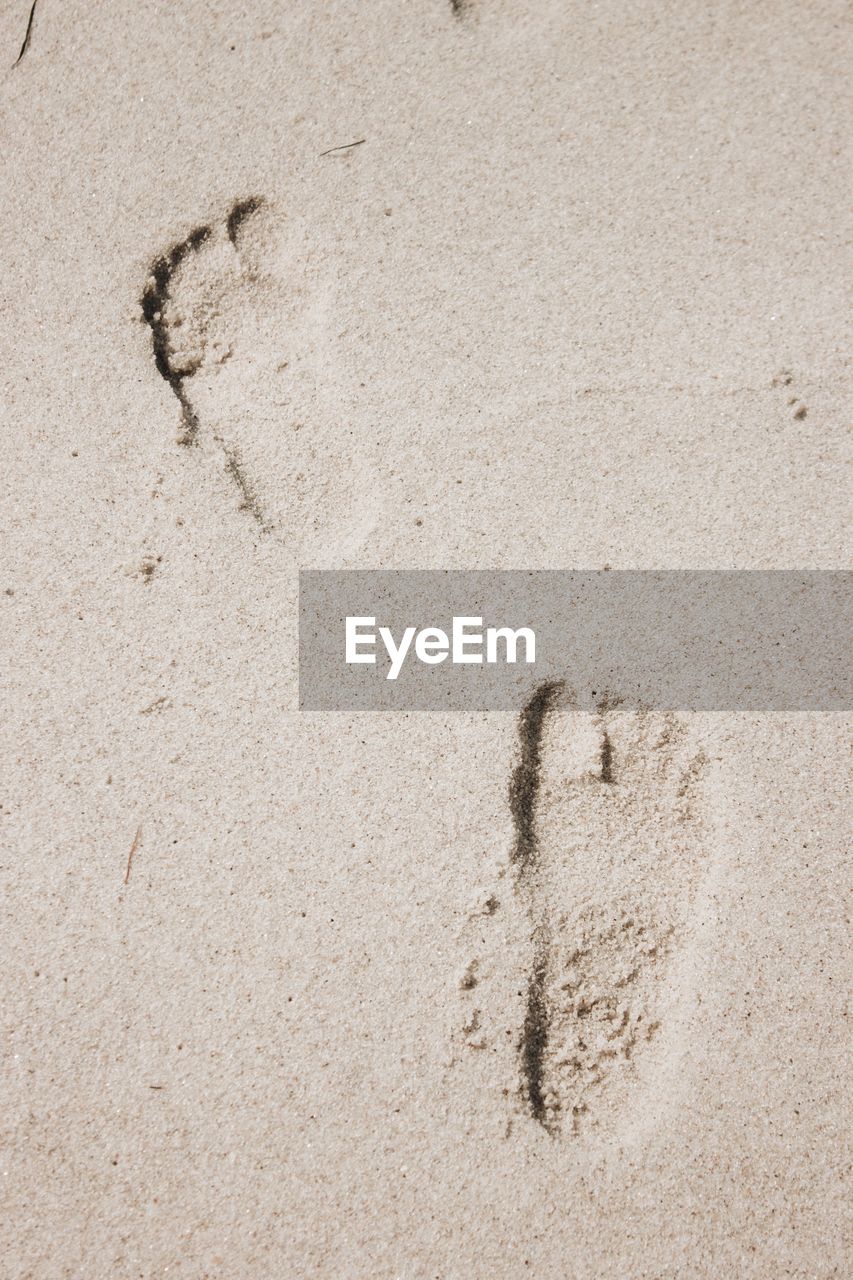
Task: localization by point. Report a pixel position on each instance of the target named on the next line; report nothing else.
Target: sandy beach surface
(576, 299)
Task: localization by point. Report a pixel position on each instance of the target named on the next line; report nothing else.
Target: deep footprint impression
(609, 849)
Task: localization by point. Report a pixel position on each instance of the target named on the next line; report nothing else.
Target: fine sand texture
(410, 996)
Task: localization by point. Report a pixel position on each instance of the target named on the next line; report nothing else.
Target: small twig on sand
(132, 852)
(345, 147)
(27, 34)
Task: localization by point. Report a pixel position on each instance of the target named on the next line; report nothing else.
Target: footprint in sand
(242, 324)
(607, 809)
(608, 853)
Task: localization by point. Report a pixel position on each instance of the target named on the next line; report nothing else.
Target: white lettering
(510, 639)
(354, 639)
(461, 638)
(397, 655)
(432, 645)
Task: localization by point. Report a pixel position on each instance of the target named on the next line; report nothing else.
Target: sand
(575, 300)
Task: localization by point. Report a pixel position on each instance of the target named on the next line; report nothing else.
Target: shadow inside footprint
(244, 316)
(156, 298)
(607, 852)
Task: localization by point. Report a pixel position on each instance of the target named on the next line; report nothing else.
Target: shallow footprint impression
(190, 301)
(242, 320)
(610, 846)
